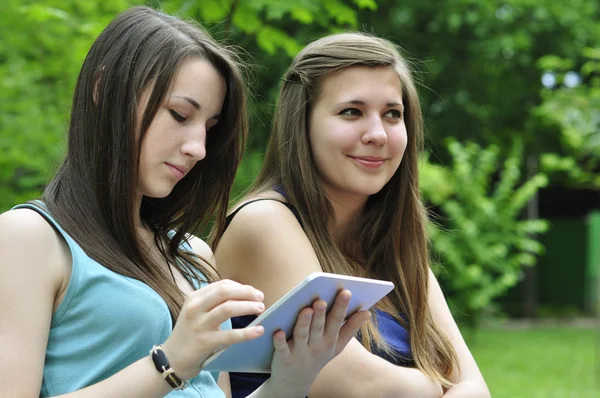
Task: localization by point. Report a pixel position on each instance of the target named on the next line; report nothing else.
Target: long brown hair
(92, 195)
(388, 239)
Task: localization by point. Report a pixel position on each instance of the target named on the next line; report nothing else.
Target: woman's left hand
(317, 339)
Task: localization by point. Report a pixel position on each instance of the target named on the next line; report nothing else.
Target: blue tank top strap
(78, 256)
(40, 207)
(195, 282)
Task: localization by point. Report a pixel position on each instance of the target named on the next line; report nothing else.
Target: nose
(195, 144)
(375, 132)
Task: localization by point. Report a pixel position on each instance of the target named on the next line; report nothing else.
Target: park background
(511, 97)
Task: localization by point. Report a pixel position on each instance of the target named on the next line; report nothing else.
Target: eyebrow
(192, 101)
(196, 105)
(359, 102)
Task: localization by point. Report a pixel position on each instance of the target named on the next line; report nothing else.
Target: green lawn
(541, 362)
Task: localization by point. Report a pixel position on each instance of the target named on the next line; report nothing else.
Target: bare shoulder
(201, 248)
(27, 238)
(265, 246)
(34, 261)
(262, 220)
(21, 228)
(437, 301)
(468, 370)
(26, 218)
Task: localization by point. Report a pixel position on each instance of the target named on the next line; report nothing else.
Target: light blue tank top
(105, 322)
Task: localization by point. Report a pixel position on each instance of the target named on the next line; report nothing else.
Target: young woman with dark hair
(104, 291)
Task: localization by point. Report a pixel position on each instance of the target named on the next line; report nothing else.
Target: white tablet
(255, 355)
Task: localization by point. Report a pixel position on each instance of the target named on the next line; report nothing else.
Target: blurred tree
(43, 45)
(571, 105)
(270, 32)
(481, 67)
(38, 67)
(478, 61)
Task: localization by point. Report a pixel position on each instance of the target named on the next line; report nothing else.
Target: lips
(371, 162)
(178, 171)
(369, 158)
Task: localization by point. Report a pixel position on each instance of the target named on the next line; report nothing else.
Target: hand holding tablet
(256, 355)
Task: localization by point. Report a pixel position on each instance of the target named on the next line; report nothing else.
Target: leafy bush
(38, 69)
(480, 239)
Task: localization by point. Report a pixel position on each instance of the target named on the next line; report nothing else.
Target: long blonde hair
(388, 240)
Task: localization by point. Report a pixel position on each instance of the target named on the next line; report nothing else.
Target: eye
(394, 113)
(350, 112)
(177, 116)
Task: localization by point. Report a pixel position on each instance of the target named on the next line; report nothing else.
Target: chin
(159, 193)
(163, 194)
(361, 191)
(370, 187)
(370, 192)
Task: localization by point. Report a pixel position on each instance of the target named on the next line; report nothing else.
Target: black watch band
(161, 363)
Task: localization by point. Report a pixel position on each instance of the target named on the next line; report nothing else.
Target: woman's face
(357, 131)
(176, 138)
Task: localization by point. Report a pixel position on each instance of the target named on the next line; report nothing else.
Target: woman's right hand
(317, 338)
(197, 333)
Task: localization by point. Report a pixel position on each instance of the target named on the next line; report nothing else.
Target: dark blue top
(392, 332)
(397, 337)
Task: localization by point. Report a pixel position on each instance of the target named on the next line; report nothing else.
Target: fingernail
(261, 307)
(308, 316)
(260, 296)
(259, 330)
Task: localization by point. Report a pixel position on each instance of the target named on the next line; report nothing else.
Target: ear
(97, 79)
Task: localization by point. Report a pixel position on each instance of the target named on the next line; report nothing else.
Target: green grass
(540, 362)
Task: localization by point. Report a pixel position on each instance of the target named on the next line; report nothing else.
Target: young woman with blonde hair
(338, 192)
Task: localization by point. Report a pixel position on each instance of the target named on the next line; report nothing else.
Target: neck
(144, 235)
(137, 207)
(345, 209)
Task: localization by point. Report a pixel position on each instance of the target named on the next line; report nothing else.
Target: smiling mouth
(368, 161)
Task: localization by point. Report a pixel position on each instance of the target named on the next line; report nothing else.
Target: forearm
(359, 374)
(412, 383)
(399, 382)
(139, 380)
(468, 389)
(269, 390)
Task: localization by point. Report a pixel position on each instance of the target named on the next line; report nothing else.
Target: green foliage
(575, 111)
(481, 240)
(477, 60)
(270, 33)
(247, 172)
(39, 65)
(268, 22)
(43, 45)
(481, 62)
